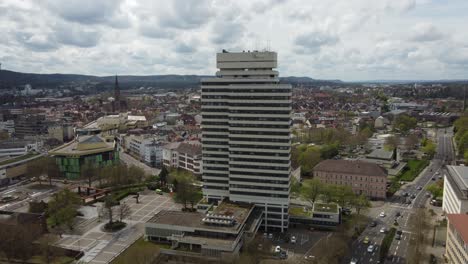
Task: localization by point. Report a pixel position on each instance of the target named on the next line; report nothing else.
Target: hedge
(386, 243)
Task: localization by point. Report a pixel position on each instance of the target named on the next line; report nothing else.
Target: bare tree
(124, 211)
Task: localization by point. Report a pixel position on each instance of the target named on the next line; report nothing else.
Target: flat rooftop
(459, 176)
(238, 212)
(325, 208)
(19, 158)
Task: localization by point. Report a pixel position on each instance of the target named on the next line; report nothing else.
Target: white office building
(455, 199)
(246, 114)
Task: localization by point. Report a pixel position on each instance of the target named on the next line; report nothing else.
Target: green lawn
(327, 208)
(19, 158)
(414, 167)
(298, 211)
(141, 250)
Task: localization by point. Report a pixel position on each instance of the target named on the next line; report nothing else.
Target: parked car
(159, 191)
(277, 249)
(382, 214)
(373, 224)
(366, 240)
(413, 196)
(270, 236)
(383, 230)
(370, 248)
(293, 240)
(419, 187)
(398, 214)
(283, 254)
(353, 261)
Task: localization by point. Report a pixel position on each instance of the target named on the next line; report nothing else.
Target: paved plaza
(101, 247)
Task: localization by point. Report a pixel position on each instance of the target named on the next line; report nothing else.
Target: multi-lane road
(399, 249)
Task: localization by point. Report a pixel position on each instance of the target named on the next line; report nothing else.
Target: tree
(311, 189)
(466, 156)
(35, 169)
(344, 195)
(62, 209)
(295, 187)
(185, 192)
(404, 123)
(329, 192)
(360, 202)
(392, 142)
(429, 148)
(329, 151)
(16, 242)
(137, 174)
(435, 189)
(163, 174)
(411, 141)
(110, 202)
(308, 159)
(124, 211)
(88, 172)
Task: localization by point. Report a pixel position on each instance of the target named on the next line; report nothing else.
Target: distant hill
(10, 79)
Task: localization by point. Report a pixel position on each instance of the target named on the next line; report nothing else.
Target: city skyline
(346, 40)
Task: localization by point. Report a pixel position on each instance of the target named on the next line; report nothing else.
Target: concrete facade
(455, 200)
(246, 116)
(457, 239)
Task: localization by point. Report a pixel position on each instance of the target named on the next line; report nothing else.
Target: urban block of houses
(363, 177)
(112, 123)
(184, 155)
(94, 150)
(455, 200)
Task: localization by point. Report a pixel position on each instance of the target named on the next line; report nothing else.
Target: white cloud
(343, 39)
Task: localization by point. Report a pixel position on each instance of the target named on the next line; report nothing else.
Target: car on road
(277, 249)
(382, 214)
(413, 196)
(433, 178)
(370, 248)
(270, 236)
(408, 201)
(383, 230)
(366, 240)
(373, 224)
(437, 173)
(419, 187)
(293, 240)
(353, 261)
(405, 194)
(283, 254)
(397, 214)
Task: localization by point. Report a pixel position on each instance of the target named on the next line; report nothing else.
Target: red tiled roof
(351, 167)
(460, 223)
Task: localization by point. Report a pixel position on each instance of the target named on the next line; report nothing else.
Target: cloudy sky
(339, 39)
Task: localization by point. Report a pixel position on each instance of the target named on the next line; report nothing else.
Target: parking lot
(305, 241)
(102, 247)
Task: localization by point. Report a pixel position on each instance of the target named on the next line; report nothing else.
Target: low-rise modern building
(184, 155)
(218, 232)
(13, 169)
(93, 150)
(319, 214)
(15, 147)
(363, 177)
(456, 250)
(455, 200)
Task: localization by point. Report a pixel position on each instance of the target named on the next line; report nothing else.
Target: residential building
(146, 148)
(184, 155)
(93, 150)
(246, 115)
(30, 125)
(455, 200)
(363, 177)
(219, 234)
(456, 250)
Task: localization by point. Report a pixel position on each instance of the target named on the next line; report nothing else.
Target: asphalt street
(399, 248)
